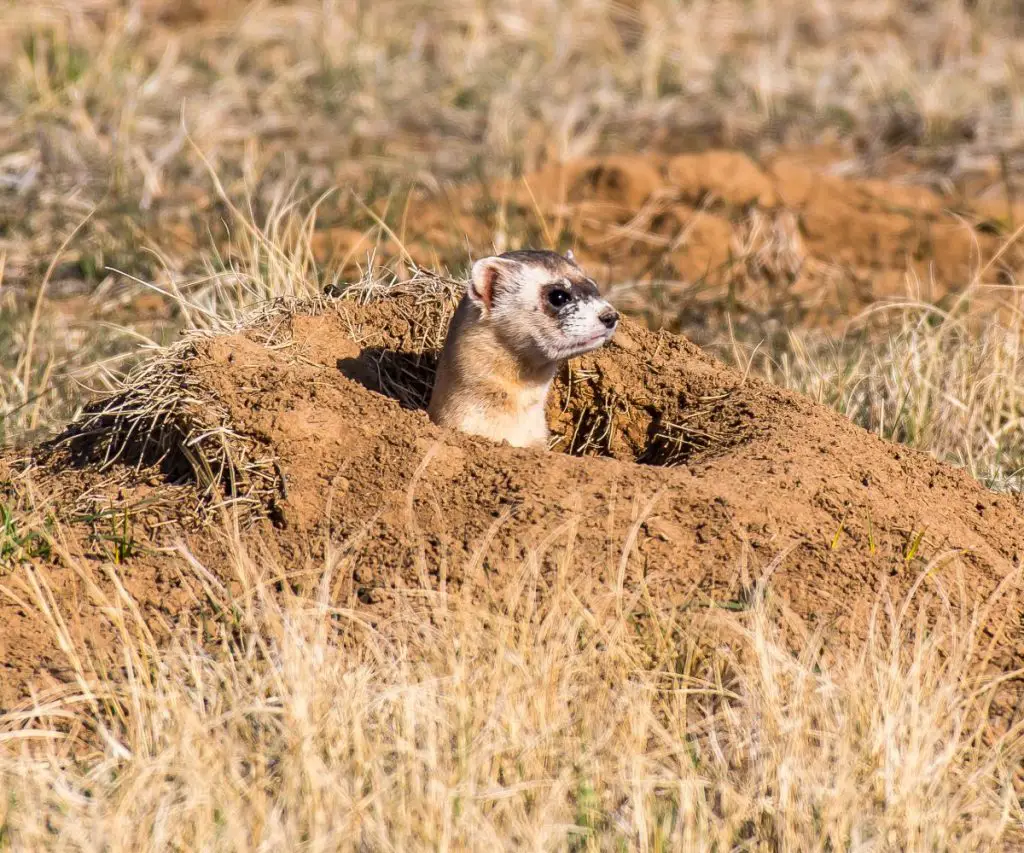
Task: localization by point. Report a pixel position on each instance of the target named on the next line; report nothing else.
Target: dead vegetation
(824, 194)
(585, 722)
(160, 418)
(943, 378)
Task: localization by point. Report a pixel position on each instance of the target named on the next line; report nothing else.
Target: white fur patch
(526, 428)
(526, 324)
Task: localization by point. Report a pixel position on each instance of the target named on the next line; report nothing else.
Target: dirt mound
(686, 480)
(788, 238)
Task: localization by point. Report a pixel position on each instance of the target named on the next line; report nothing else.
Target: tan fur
(483, 389)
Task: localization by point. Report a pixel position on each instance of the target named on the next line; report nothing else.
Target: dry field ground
(763, 593)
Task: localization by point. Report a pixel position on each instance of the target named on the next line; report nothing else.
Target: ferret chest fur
(483, 389)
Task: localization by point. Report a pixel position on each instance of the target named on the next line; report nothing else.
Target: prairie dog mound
(669, 471)
(743, 470)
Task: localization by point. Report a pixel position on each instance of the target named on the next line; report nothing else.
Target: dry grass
(50, 362)
(949, 380)
(587, 722)
(197, 156)
(590, 722)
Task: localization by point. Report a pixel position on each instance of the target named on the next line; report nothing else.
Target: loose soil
(684, 238)
(673, 475)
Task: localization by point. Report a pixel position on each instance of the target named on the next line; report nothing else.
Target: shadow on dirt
(407, 377)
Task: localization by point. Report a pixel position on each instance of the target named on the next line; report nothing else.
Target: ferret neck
(495, 360)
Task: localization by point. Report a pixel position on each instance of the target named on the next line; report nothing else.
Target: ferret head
(541, 305)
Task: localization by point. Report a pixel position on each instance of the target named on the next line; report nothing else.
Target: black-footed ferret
(523, 315)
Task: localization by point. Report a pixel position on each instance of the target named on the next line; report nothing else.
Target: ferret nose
(609, 318)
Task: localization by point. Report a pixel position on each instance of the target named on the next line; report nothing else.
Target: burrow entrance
(647, 398)
(589, 413)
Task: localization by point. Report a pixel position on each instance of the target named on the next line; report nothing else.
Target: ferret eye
(558, 297)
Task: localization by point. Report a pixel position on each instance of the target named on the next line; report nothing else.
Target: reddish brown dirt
(722, 481)
(784, 236)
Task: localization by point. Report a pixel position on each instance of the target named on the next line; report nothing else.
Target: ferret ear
(570, 257)
(484, 280)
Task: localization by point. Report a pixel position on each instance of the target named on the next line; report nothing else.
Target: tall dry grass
(946, 379)
(585, 722)
(563, 718)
